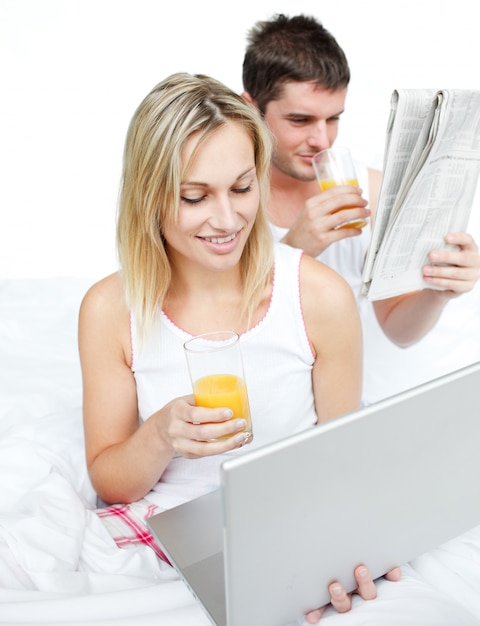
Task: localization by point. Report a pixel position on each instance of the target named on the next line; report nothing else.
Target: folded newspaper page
(430, 174)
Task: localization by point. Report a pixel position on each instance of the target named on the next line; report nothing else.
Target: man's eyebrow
(295, 115)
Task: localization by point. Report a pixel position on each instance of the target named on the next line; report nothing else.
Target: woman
(196, 255)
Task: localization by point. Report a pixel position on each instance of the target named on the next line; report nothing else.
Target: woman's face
(219, 201)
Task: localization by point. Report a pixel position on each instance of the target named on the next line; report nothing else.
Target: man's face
(303, 121)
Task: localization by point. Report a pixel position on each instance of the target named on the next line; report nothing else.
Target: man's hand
(317, 226)
(455, 270)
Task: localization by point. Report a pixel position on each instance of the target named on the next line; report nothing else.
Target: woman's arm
(334, 329)
(126, 459)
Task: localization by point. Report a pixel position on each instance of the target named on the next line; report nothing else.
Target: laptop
(379, 486)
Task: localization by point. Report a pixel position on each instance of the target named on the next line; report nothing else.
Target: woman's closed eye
(192, 200)
(242, 189)
(237, 190)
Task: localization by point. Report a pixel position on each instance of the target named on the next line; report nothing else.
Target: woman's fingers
(339, 598)
(366, 587)
(314, 616)
(342, 601)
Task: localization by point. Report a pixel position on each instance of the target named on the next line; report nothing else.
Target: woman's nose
(223, 216)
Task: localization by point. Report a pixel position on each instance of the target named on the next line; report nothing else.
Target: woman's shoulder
(329, 307)
(318, 272)
(321, 283)
(104, 320)
(105, 297)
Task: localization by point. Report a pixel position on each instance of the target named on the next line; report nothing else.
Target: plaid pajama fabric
(126, 524)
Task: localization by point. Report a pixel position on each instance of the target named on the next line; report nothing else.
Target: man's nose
(319, 138)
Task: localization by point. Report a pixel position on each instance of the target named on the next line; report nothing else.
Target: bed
(58, 564)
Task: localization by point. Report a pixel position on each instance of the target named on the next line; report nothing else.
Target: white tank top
(278, 363)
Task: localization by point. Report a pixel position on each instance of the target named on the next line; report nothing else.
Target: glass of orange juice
(216, 370)
(333, 167)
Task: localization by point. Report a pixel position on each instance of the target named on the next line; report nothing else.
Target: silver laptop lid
(379, 486)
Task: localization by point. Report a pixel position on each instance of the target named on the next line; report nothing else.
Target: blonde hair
(176, 108)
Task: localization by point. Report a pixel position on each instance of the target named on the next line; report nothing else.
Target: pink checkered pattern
(126, 525)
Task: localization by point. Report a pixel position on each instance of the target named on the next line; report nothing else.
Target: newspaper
(430, 173)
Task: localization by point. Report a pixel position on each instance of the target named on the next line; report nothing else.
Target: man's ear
(249, 98)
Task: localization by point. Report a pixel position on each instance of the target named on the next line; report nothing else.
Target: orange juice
(326, 184)
(224, 390)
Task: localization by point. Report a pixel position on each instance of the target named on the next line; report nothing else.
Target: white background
(73, 72)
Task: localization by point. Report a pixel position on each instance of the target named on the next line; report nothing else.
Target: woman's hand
(195, 431)
(342, 601)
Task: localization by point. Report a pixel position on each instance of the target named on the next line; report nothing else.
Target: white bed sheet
(58, 564)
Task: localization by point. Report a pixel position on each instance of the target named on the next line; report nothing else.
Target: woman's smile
(223, 244)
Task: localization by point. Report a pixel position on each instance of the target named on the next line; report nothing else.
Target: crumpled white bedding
(58, 564)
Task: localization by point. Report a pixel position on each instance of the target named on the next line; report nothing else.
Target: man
(297, 75)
